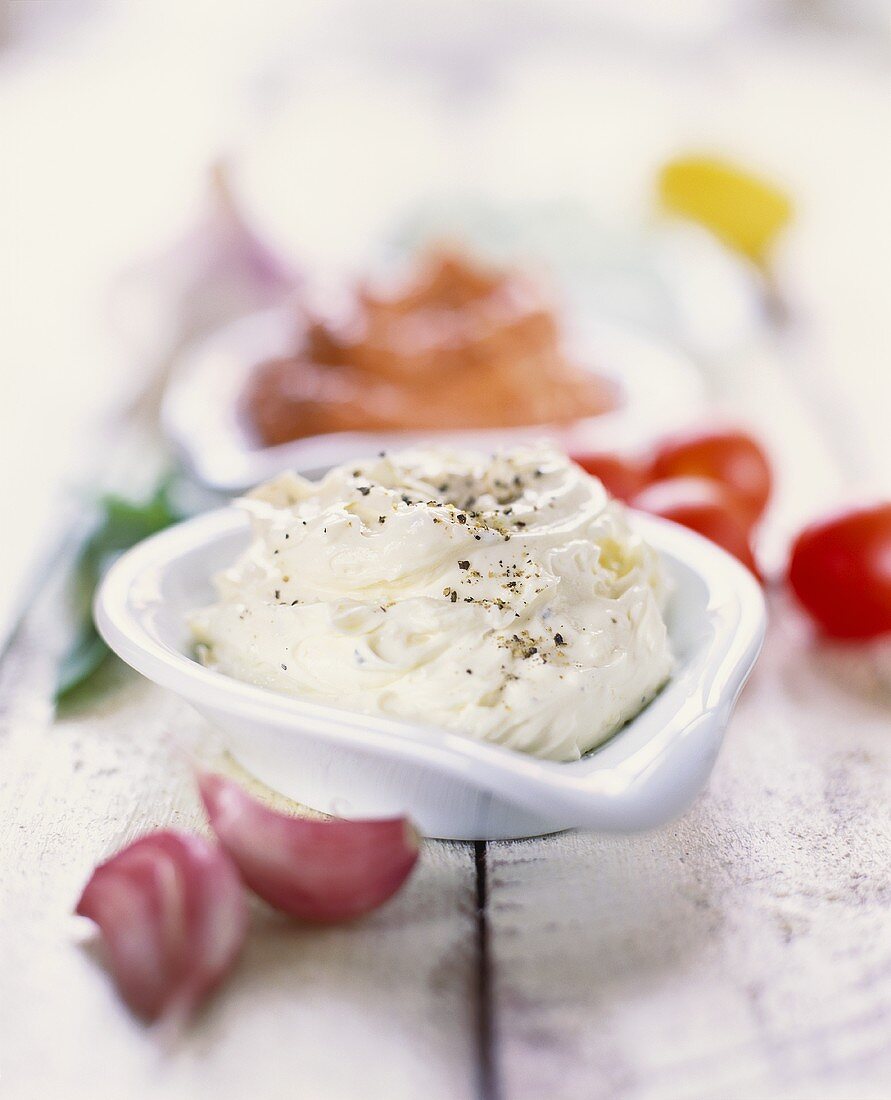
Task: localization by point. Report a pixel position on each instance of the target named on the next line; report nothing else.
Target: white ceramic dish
(199, 410)
(452, 787)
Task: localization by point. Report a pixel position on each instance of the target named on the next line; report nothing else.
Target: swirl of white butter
(505, 598)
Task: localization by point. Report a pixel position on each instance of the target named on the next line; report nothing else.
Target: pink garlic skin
(324, 871)
(223, 269)
(173, 916)
(219, 270)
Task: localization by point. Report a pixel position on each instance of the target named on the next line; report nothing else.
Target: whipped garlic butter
(504, 598)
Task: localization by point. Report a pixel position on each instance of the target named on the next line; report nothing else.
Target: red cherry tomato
(622, 475)
(840, 570)
(705, 506)
(731, 457)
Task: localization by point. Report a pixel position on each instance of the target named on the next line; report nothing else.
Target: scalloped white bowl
(358, 766)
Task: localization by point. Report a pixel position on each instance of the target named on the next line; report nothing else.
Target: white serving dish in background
(452, 787)
(199, 412)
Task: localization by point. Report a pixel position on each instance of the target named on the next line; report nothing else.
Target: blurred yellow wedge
(745, 212)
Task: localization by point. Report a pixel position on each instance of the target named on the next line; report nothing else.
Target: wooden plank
(385, 1007)
(744, 951)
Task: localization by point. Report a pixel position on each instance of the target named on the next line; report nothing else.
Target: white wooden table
(742, 952)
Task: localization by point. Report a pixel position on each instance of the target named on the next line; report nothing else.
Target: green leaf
(120, 524)
(85, 657)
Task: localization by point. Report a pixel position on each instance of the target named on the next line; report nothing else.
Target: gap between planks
(488, 1081)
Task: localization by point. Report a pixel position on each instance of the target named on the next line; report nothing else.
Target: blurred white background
(340, 117)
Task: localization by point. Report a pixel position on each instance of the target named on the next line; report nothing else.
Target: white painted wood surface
(744, 951)
(383, 1008)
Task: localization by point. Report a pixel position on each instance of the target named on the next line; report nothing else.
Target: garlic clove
(323, 871)
(173, 917)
